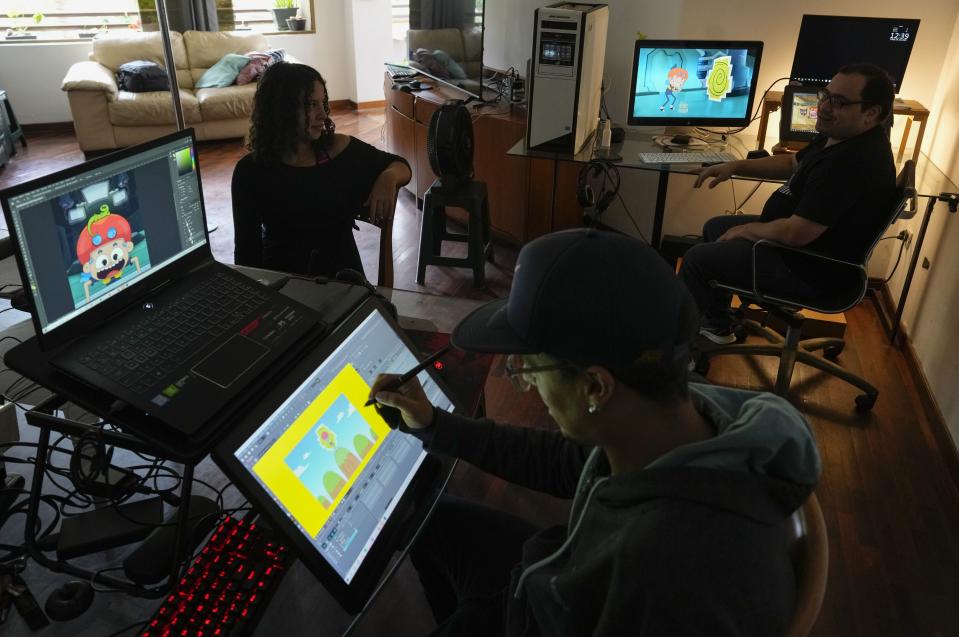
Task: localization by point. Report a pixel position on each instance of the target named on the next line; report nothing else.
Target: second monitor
(693, 82)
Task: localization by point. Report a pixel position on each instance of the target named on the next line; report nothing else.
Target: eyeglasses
(516, 370)
(836, 101)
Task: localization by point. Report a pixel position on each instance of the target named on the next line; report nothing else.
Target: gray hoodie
(692, 544)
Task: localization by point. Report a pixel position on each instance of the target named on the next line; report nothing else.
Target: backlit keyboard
(686, 158)
(139, 356)
(227, 586)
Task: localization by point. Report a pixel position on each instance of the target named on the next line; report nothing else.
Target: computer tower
(566, 75)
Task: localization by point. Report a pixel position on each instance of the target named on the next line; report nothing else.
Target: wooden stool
(472, 197)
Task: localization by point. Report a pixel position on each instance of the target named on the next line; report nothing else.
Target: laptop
(125, 294)
(344, 488)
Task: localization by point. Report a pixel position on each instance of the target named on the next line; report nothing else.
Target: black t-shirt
(847, 187)
(283, 215)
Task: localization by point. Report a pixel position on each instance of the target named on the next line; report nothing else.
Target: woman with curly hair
(296, 193)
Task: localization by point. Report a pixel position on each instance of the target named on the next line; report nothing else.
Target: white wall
(372, 29)
(932, 310)
(31, 76)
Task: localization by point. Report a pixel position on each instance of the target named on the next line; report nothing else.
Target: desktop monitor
(828, 42)
(693, 82)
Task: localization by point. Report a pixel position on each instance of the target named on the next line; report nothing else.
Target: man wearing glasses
(679, 490)
(838, 190)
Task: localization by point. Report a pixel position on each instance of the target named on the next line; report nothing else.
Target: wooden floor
(891, 507)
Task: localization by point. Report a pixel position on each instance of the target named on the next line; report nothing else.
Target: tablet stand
(42, 417)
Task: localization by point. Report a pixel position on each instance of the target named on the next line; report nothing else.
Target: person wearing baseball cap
(679, 490)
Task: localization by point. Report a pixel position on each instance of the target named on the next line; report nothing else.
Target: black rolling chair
(793, 348)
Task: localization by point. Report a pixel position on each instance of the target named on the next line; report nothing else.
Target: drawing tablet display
(800, 110)
(329, 472)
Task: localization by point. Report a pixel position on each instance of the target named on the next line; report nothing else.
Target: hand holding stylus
(403, 393)
(407, 402)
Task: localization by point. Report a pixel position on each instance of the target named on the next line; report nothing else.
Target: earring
(593, 410)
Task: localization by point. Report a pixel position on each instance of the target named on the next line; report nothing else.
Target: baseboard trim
(59, 128)
(937, 421)
(364, 105)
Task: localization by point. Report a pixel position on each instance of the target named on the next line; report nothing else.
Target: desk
(554, 177)
(300, 600)
(910, 108)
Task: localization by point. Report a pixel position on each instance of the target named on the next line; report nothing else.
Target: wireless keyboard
(226, 588)
(686, 158)
(400, 72)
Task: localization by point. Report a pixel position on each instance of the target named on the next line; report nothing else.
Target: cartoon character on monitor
(675, 80)
(719, 80)
(104, 249)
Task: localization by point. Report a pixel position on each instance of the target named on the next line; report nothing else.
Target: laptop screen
(334, 468)
(90, 235)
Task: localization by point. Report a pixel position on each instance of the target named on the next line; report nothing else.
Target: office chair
(793, 348)
(809, 551)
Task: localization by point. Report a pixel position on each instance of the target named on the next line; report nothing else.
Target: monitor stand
(696, 141)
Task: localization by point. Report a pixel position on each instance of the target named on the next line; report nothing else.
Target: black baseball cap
(591, 297)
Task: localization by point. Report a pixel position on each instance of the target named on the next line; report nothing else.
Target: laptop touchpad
(229, 361)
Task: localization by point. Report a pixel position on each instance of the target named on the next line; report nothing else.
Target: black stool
(470, 196)
(10, 126)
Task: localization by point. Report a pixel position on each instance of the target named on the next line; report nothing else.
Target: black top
(290, 218)
(847, 187)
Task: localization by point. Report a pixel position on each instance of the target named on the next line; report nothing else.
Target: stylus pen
(399, 382)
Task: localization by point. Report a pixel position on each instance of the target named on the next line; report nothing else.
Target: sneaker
(718, 335)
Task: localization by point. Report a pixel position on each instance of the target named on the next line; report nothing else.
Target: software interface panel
(333, 465)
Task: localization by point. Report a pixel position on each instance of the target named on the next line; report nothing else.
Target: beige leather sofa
(105, 117)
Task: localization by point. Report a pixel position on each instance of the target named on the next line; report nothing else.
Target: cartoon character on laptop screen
(105, 248)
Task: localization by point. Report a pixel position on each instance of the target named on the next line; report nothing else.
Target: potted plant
(297, 22)
(19, 32)
(283, 9)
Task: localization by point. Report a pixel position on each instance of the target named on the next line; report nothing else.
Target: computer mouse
(416, 85)
(69, 601)
(681, 140)
(406, 88)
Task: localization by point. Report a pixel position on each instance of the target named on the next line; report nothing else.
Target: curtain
(440, 14)
(189, 15)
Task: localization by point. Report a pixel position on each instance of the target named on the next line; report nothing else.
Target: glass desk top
(626, 153)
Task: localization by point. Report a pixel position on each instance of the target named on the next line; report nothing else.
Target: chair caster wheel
(833, 351)
(864, 403)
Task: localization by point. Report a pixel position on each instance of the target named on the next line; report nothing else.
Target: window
(29, 20)
(66, 19)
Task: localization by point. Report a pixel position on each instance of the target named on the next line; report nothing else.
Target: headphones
(599, 199)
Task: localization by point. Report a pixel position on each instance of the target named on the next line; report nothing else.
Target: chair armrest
(90, 76)
(812, 257)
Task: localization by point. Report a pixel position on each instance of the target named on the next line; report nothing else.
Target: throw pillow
(429, 62)
(253, 70)
(141, 76)
(259, 63)
(224, 72)
(456, 71)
